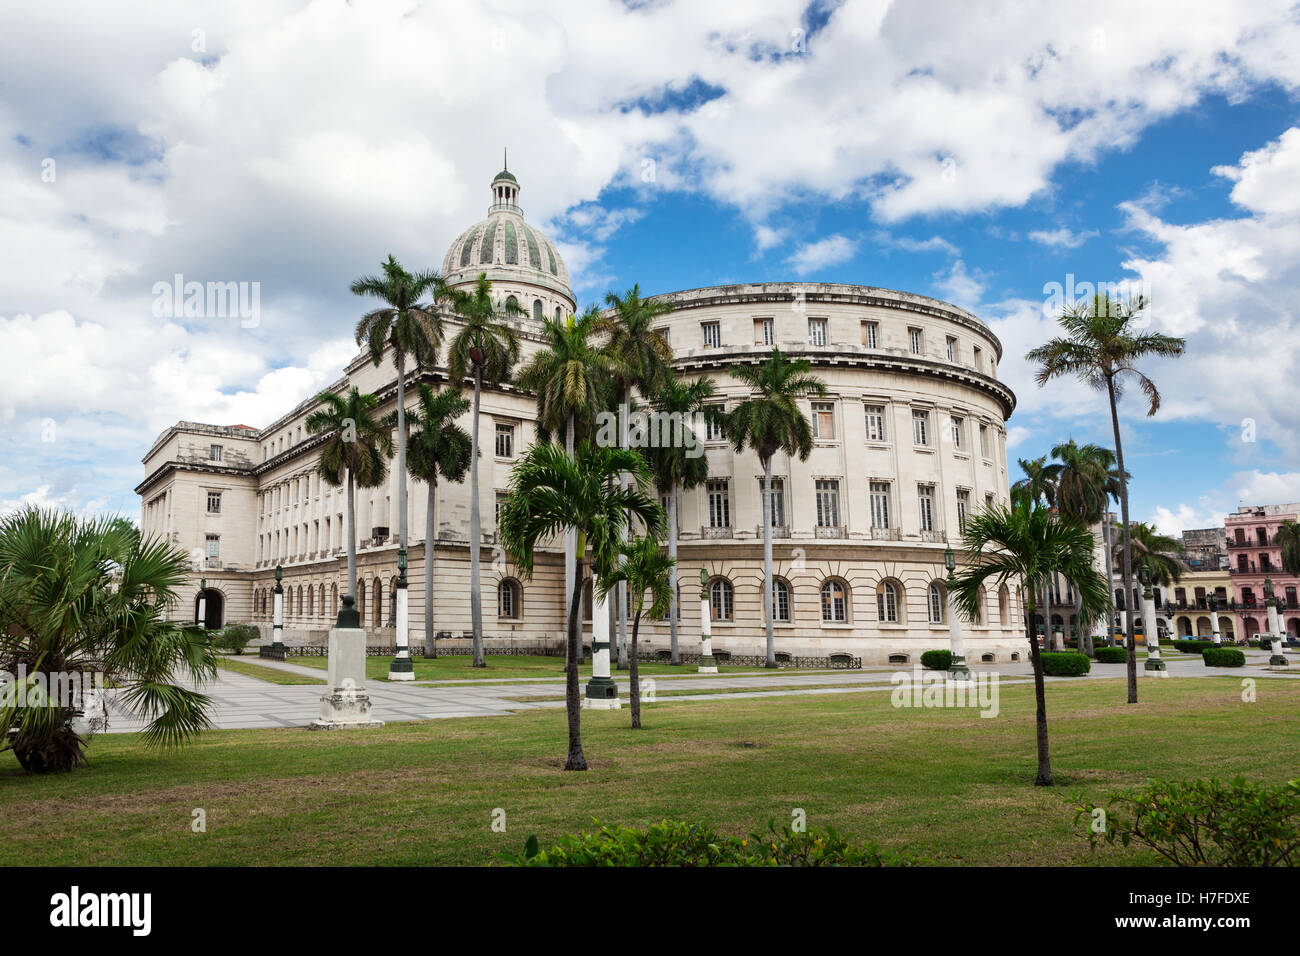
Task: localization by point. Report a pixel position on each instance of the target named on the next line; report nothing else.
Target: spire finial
(505, 157)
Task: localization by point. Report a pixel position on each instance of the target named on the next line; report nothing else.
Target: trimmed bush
(1223, 657)
(1112, 655)
(675, 843)
(1191, 646)
(936, 660)
(1065, 664)
(235, 637)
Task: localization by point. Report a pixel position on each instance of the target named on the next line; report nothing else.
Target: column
(402, 668)
(602, 692)
(277, 619)
(1151, 629)
(708, 665)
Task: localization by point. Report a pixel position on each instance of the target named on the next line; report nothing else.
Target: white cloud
(814, 256)
(1062, 237)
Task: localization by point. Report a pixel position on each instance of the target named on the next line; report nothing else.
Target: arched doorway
(213, 609)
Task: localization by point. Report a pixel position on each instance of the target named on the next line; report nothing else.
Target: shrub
(236, 637)
(1223, 657)
(1192, 646)
(1203, 823)
(1112, 655)
(1065, 664)
(936, 660)
(675, 843)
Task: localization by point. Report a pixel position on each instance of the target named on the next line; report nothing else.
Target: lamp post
(707, 663)
(277, 615)
(957, 668)
(602, 692)
(402, 668)
(1277, 658)
(1150, 628)
(1213, 604)
(203, 603)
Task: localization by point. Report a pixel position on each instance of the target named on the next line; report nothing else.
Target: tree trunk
(475, 534)
(400, 360)
(572, 702)
(352, 537)
(1126, 564)
(1110, 579)
(1044, 777)
(430, 527)
(634, 673)
(570, 543)
(675, 657)
(625, 480)
(769, 589)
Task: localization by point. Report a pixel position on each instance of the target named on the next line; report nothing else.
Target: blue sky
(975, 158)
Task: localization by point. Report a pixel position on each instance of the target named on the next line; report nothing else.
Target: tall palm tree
(486, 347)
(1081, 496)
(570, 377)
(439, 449)
(1288, 539)
(1156, 552)
(1039, 487)
(92, 597)
(769, 421)
(641, 359)
(645, 567)
(1101, 347)
(356, 453)
(1024, 544)
(551, 491)
(675, 469)
(410, 328)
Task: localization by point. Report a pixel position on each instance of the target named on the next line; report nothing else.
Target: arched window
(377, 603)
(935, 602)
(311, 600)
(537, 309)
(887, 602)
(361, 597)
(334, 599)
(511, 303)
(721, 600)
(1004, 605)
(558, 314)
(509, 601)
(586, 600)
(780, 600)
(835, 602)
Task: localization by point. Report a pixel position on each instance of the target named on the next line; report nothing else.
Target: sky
(994, 155)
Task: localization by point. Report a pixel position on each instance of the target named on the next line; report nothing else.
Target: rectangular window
(957, 429)
(713, 431)
(876, 423)
(214, 546)
(719, 504)
(917, 340)
(975, 355)
(505, 441)
(501, 499)
(762, 331)
(823, 420)
(921, 428)
(952, 349)
(879, 504)
(214, 452)
(778, 501)
(988, 502)
(925, 498)
(984, 441)
(214, 502)
(816, 331)
(712, 334)
(871, 334)
(963, 508)
(828, 504)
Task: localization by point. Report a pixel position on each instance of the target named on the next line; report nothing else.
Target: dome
(506, 247)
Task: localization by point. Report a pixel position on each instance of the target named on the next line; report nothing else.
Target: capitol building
(909, 440)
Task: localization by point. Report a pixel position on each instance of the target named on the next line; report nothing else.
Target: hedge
(1223, 657)
(1065, 664)
(936, 660)
(1192, 646)
(1112, 655)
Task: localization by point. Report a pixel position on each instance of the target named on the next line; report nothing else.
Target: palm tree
(1027, 543)
(1081, 496)
(570, 377)
(486, 347)
(356, 453)
(407, 327)
(676, 469)
(80, 598)
(644, 568)
(1288, 539)
(1038, 487)
(439, 448)
(551, 491)
(771, 421)
(1155, 552)
(1100, 348)
(641, 358)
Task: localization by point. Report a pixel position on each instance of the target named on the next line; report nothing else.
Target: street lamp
(277, 620)
(1150, 627)
(1212, 602)
(708, 665)
(1276, 657)
(957, 668)
(203, 603)
(402, 667)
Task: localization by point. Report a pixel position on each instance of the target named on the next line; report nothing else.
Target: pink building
(1252, 558)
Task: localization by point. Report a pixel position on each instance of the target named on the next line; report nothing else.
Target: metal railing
(778, 530)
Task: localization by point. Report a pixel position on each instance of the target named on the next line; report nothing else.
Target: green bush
(1191, 646)
(235, 637)
(675, 843)
(936, 660)
(1112, 655)
(1223, 657)
(1065, 664)
(1202, 823)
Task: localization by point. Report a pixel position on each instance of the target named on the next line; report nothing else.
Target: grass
(949, 785)
(270, 674)
(462, 668)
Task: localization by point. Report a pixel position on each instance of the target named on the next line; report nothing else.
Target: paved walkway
(243, 701)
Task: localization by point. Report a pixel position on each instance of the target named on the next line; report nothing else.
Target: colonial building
(910, 440)
(1253, 560)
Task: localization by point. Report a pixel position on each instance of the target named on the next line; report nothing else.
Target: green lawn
(950, 785)
(270, 674)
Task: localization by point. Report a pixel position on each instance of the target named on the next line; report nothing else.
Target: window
(505, 441)
(823, 420)
(917, 340)
(871, 334)
(834, 602)
(214, 550)
(828, 503)
(925, 500)
(778, 501)
(780, 600)
(876, 423)
(762, 331)
(558, 314)
(712, 334)
(720, 600)
(976, 357)
(512, 304)
(663, 334)
(952, 349)
(713, 430)
(508, 594)
(963, 508)
(879, 504)
(957, 429)
(501, 499)
(936, 603)
(214, 502)
(816, 331)
(887, 602)
(988, 501)
(719, 504)
(214, 452)
(921, 428)
(984, 441)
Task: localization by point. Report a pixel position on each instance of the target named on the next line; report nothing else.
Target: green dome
(506, 174)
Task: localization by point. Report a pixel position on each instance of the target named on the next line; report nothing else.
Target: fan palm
(1156, 553)
(1288, 539)
(356, 453)
(551, 491)
(439, 449)
(769, 421)
(486, 347)
(1101, 347)
(644, 568)
(80, 598)
(1026, 544)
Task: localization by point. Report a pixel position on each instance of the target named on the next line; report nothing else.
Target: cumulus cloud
(812, 257)
(1061, 237)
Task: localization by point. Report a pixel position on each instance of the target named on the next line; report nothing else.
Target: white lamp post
(277, 616)
(602, 692)
(707, 663)
(957, 668)
(402, 667)
(203, 603)
(1277, 657)
(1213, 605)
(1150, 628)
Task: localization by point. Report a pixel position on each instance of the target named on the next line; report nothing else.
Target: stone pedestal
(345, 703)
